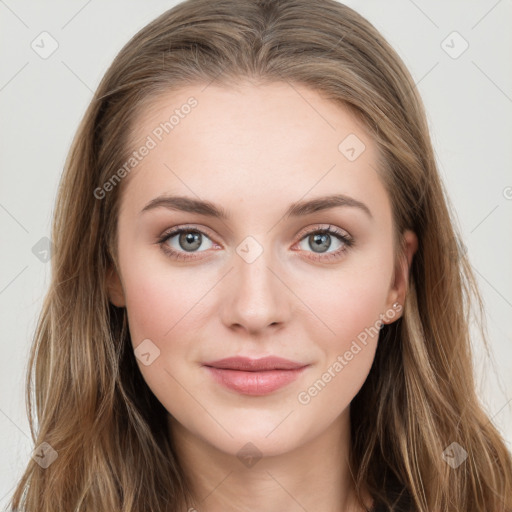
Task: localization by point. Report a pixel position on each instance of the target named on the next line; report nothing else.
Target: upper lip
(253, 365)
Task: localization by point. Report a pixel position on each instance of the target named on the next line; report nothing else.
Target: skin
(254, 150)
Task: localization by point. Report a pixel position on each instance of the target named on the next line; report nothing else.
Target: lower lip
(254, 383)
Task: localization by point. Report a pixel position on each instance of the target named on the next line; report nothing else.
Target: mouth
(254, 376)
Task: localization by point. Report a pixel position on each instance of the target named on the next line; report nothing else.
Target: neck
(313, 476)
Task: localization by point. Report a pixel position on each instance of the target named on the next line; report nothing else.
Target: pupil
(319, 240)
(190, 238)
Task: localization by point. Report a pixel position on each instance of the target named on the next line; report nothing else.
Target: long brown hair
(91, 403)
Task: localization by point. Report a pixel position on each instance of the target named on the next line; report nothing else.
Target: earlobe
(115, 288)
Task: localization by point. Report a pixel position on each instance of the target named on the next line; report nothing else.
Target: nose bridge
(257, 297)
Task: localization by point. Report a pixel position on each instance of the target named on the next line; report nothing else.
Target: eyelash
(348, 242)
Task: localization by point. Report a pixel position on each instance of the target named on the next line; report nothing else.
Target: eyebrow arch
(299, 209)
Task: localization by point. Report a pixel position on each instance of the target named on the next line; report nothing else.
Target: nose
(255, 297)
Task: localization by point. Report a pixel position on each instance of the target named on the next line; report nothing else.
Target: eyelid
(173, 253)
(177, 229)
(324, 227)
(343, 236)
(339, 233)
(301, 234)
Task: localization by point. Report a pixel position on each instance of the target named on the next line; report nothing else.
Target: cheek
(347, 347)
(159, 298)
(347, 303)
(163, 307)
(150, 307)
(350, 305)
(354, 311)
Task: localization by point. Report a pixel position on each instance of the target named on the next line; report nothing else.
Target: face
(275, 275)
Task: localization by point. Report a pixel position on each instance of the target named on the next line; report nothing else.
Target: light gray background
(468, 101)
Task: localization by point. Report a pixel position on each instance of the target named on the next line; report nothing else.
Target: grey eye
(321, 242)
(188, 241)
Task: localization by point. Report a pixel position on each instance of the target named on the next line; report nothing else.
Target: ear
(398, 290)
(115, 288)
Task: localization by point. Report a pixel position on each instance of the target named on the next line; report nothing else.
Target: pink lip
(254, 376)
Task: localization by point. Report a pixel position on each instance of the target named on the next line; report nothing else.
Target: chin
(251, 447)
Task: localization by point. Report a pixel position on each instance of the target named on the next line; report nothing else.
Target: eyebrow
(298, 209)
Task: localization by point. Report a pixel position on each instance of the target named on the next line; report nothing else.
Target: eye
(321, 240)
(182, 243)
(186, 240)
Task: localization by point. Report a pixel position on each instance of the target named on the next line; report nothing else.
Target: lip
(253, 365)
(255, 376)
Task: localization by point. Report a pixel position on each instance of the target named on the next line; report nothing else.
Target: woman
(249, 370)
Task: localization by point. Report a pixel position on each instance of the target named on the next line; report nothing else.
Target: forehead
(248, 114)
(277, 142)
